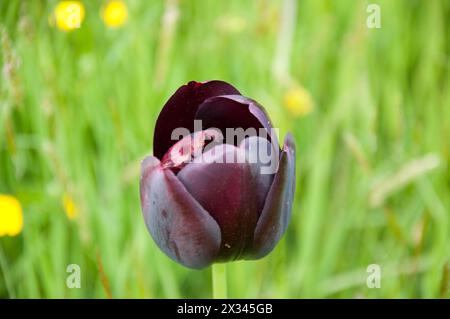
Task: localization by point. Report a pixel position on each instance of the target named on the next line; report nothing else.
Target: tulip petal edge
(277, 209)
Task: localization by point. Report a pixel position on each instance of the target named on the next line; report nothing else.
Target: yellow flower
(68, 15)
(115, 13)
(298, 101)
(11, 218)
(69, 207)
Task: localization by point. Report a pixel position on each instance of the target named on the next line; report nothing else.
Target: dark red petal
(178, 224)
(180, 109)
(234, 111)
(276, 214)
(228, 192)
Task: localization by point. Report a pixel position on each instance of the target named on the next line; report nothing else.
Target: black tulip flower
(204, 211)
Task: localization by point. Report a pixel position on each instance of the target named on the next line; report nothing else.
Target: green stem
(219, 279)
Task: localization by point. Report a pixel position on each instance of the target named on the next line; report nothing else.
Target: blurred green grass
(373, 186)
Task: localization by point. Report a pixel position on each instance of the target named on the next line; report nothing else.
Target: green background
(77, 112)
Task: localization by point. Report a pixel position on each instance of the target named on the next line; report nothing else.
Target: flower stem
(219, 279)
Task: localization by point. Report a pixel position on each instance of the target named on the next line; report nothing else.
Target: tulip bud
(205, 201)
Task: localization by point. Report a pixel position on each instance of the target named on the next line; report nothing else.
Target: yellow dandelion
(68, 15)
(115, 13)
(298, 101)
(70, 207)
(11, 218)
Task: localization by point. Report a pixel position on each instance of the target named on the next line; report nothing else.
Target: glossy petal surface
(277, 210)
(180, 109)
(234, 111)
(227, 191)
(264, 161)
(177, 222)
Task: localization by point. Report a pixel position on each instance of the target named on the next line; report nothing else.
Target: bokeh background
(80, 91)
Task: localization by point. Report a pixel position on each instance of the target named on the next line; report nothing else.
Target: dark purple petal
(234, 111)
(178, 224)
(264, 160)
(180, 109)
(276, 214)
(227, 191)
